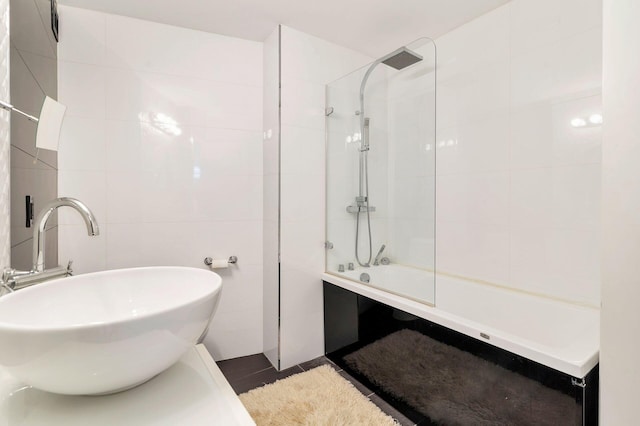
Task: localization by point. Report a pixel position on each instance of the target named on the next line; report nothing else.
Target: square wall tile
(562, 70)
(563, 263)
(474, 198)
(474, 251)
(302, 338)
(182, 52)
(28, 33)
(563, 197)
(302, 151)
(83, 35)
(89, 254)
(543, 22)
(168, 102)
(81, 88)
(87, 186)
(303, 104)
(82, 144)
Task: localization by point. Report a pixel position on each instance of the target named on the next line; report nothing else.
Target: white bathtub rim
(576, 360)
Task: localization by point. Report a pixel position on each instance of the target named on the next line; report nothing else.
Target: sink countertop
(192, 392)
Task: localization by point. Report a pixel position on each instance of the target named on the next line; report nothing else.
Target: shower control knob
(350, 266)
(341, 268)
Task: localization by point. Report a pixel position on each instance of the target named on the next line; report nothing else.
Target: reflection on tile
(144, 96)
(44, 70)
(542, 134)
(39, 183)
(28, 32)
(26, 94)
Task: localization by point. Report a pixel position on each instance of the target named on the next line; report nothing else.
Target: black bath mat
(453, 387)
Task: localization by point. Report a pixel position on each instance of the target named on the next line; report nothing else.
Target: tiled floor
(253, 371)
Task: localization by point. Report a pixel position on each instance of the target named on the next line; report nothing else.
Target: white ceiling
(373, 27)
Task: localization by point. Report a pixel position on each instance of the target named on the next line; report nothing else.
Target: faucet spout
(40, 225)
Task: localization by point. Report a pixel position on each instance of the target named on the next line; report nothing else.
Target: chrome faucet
(41, 223)
(12, 279)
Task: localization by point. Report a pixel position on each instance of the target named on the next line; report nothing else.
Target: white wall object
(518, 187)
(307, 65)
(5, 219)
(271, 198)
(619, 372)
(49, 124)
(163, 141)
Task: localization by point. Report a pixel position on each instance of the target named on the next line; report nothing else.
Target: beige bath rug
(316, 397)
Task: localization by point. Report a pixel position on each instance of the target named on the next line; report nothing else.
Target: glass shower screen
(381, 145)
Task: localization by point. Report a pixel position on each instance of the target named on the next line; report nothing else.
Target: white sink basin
(107, 331)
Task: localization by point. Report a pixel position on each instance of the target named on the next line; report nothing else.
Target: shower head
(401, 58)
(398, 59)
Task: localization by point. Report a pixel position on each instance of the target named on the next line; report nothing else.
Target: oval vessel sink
(106, 331)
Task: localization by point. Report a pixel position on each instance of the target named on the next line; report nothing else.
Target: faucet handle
(8, 274)
(69, 269)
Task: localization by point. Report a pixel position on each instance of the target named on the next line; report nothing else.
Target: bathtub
(554, 333)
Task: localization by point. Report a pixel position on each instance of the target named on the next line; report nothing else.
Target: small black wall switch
(28, 200)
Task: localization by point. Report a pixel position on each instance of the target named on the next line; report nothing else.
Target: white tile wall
(411, 115)
(163, 141)
(518, 195)
(271, 198)
(621, 225)
(5, 219)
(33, 75)
(307, 64)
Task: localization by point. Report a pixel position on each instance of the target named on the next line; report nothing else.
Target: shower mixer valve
(360, 206)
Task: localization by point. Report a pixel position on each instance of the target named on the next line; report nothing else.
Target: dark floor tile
(317, 362)
(244, 384)
(284, 374)
(262, 378)
(362, 388)
(237, 368)
(388, 409)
